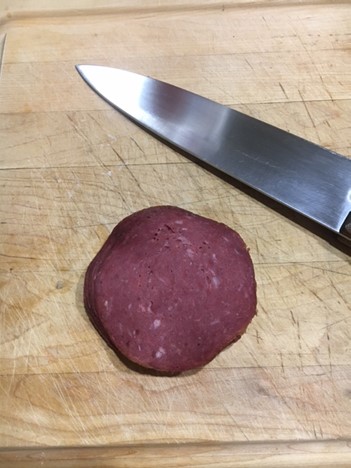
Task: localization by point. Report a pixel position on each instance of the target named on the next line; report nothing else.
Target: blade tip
(79, 68)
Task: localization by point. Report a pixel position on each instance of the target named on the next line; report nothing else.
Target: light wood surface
(72, 167)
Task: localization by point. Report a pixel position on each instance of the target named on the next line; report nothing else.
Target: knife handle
(345, 231)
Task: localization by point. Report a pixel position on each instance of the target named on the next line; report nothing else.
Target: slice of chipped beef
(170, 289)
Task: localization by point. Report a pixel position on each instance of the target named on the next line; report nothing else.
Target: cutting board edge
(23, 11)
(326, 453)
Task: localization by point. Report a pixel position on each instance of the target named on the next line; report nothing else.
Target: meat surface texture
(170, 289)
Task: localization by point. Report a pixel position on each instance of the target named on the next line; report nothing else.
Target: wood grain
(72, 167)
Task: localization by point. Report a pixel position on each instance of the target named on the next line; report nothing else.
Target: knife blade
(301, 175)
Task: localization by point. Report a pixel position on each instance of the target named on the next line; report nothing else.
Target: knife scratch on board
(308, 112)
(77, 129)
(236, 424)
(131, 173)
(137, 145)
(2, 51)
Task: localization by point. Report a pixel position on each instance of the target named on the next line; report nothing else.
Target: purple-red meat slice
(170, 289)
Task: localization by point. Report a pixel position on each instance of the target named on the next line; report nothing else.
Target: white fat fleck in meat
(147, 308)
(160, 352)
(190, 253)
(178, 221)
(156, 323)
(106, 304)
(214, 322)
(215, 281)
(162, 280)
(214, 257)
(183, 239)
(175, 349)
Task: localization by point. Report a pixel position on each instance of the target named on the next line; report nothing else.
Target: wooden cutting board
(72, 167)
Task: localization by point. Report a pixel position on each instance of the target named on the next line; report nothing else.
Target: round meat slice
(170, 289)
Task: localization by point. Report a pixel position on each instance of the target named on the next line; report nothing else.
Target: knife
(300, 175)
